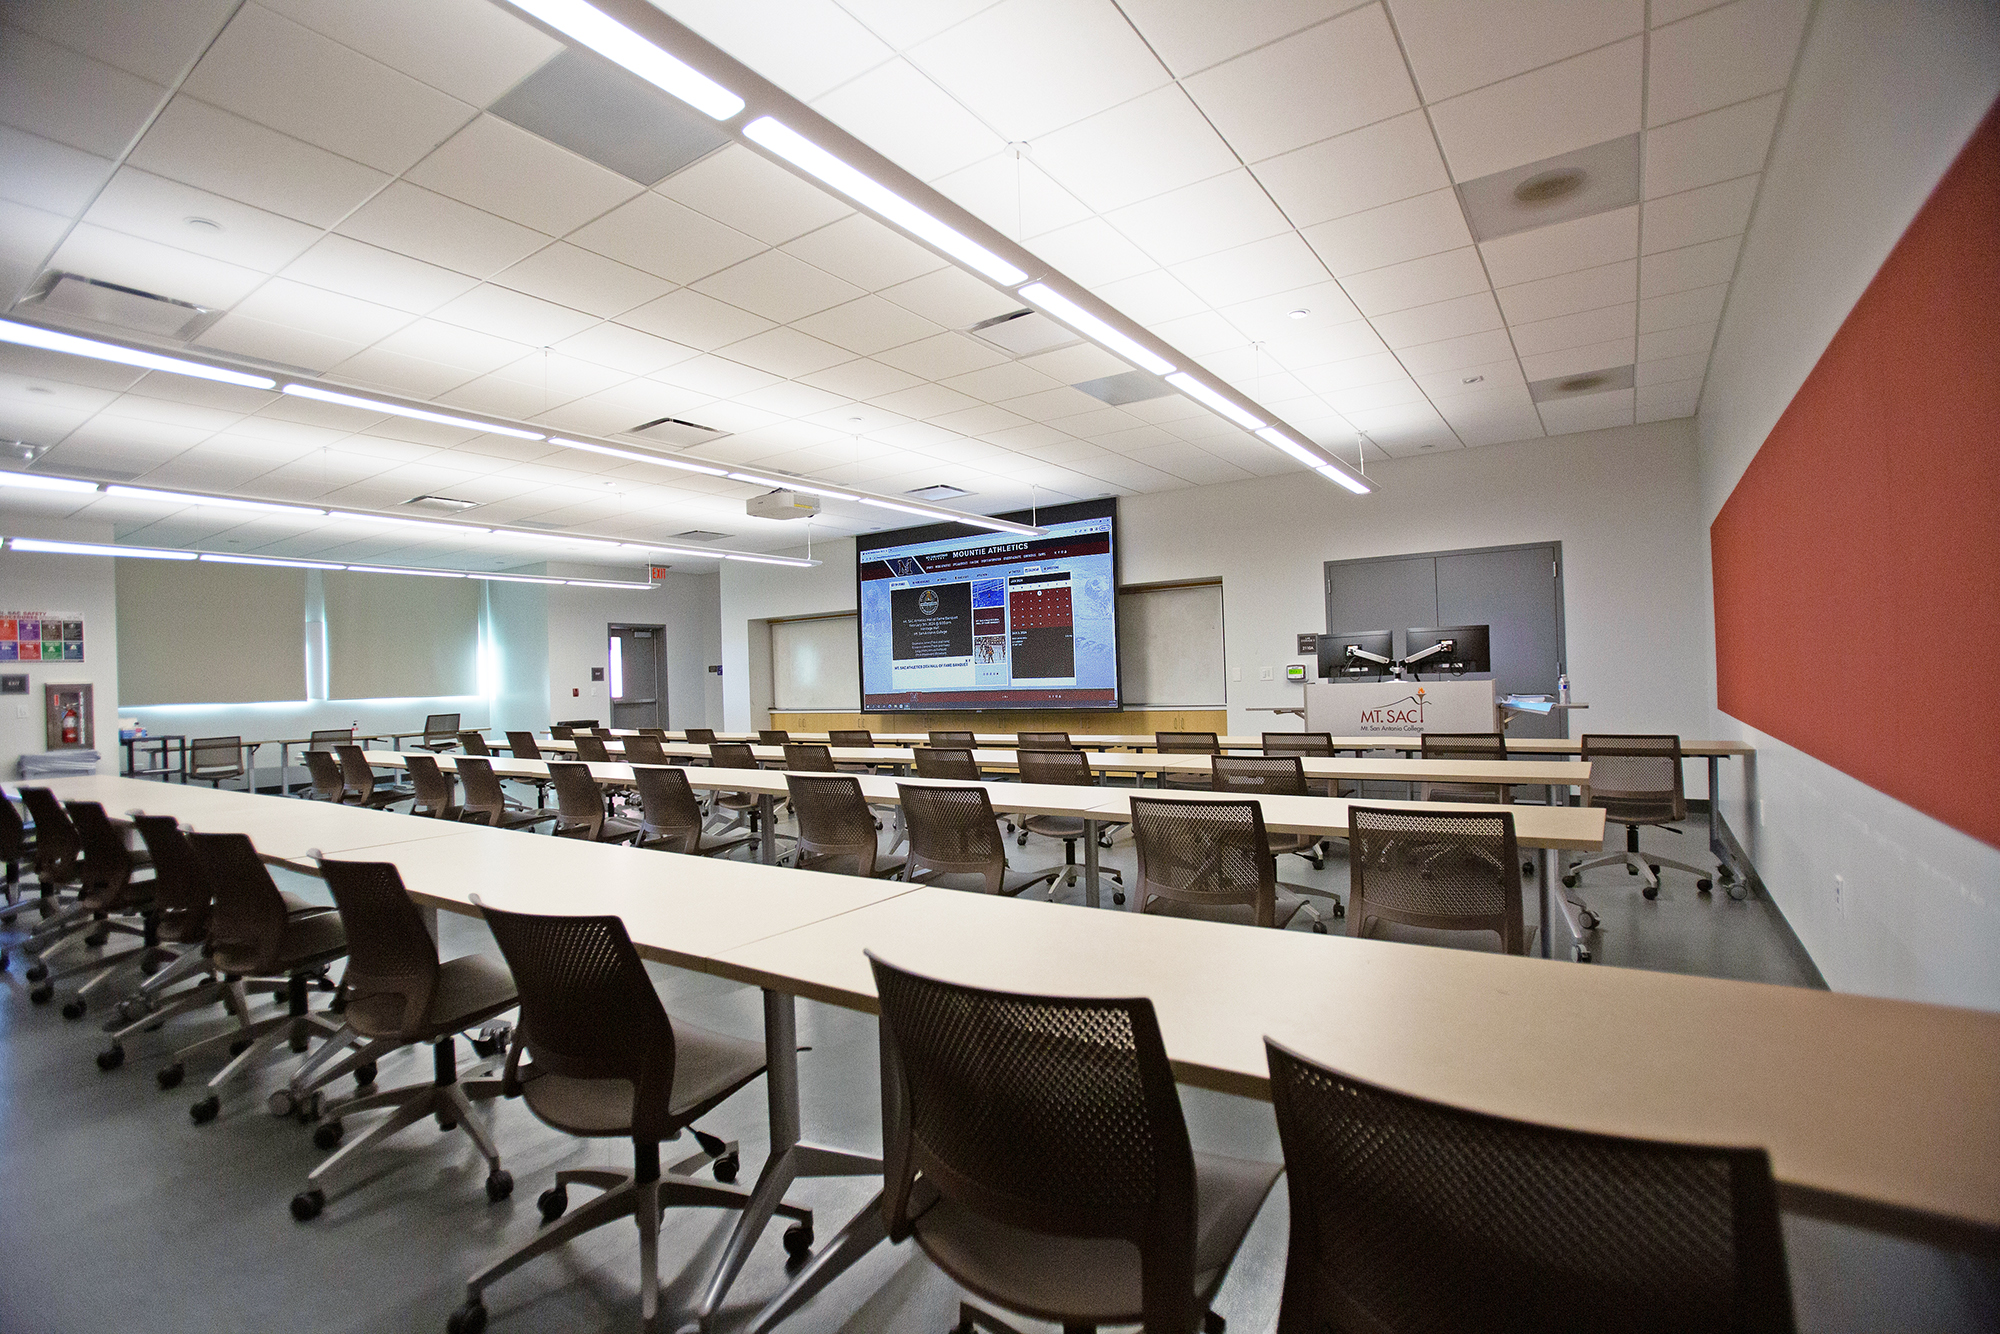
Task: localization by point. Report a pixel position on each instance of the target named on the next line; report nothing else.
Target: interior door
(636, 675)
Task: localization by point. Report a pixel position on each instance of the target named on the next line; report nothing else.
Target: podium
(1400, 708)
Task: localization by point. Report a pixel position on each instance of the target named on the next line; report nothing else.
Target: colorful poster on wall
(39, 636)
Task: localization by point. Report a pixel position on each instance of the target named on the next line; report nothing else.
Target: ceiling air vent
(1126, 387)
(1571, 185)
(699, 535)
(675, 431)
(448, 504)
(1023, 332)
(936, 493)
(1581, 383)
(122, 307)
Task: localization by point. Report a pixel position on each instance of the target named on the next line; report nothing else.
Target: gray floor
(120, 1214)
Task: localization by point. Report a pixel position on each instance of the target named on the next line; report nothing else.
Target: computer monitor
(1468, 651)
(1337, 663)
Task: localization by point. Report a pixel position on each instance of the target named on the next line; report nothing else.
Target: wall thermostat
(1295, 672)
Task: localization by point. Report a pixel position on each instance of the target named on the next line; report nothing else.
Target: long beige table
(1884, 1113)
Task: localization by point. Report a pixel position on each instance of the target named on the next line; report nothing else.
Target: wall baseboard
(1741, 856)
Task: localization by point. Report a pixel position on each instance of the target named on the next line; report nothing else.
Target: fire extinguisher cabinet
(70, 717)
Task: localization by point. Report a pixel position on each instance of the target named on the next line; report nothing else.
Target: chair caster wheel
(111, 1057)
(95, 940)
(37, 972)
(238, 1047)
(1704, 885)
(327, 1135)
(74, 1009)
(499, 1185)
(282, 1103)
(1318, 863)
(1319, 928)
(726, 1168)
(364, 1074)
(206, 1110)
(1339, 909)
(1651, 891)
(1528, 869)
(171, 1077)
(308, 1204)
(1739, 891)
(1021, 841)
(1571, 880)
(1582, 954)
(965, 1327)
(43, 994)
(492, 1040)
(1631, 870)
(552, 1202)
(798, 1243)
(1587, 920)
(1211, 1323)
(467, 1319)
(299, 1044)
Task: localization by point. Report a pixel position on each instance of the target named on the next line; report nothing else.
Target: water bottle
(1562, 688)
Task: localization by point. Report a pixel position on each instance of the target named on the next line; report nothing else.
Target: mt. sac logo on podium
(927, 602)
(1396, 716)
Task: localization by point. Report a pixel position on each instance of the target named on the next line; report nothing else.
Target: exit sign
(656, 572)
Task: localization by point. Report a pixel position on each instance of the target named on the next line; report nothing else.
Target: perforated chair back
(441, 730)
(579, 799)
(329, 783)
(732, 755)
(656, 733)
(1207, 854)
(1438, 869)
(1264, 775)
(588, 1010)
(328, 738)
(1298, 743)
(944, 762)
(852, 740)
(180, 886)
(1636, 779)
(107, 863)
(1408, 1214)
(436, 790)
(603, 733)
(485, 800)
(13, 837)
(1465, 746)
(836, 828)
(952, 832)
(1042, 741)
(671, 813)
(807, 759)
(773, 737)
(57, 846)
(214, 758)
(700, 736)
(473, 743)
(246, 930)
(964, 740)
(645, 750)
(577, 724)
(1187, 743)
(591, 749)
(522, 746)
(1050, 1114)
(392, 962)
(561, 732)
(356, 773)
(1065, 768)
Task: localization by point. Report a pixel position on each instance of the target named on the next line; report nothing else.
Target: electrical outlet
(1263, 673)
(1840, 895)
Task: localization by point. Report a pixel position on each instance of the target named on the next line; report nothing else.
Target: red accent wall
(1857, 562)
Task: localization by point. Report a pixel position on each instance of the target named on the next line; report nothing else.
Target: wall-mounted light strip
(394, 409)
(1213, 398)
(38, 545)
(620, 45)
(97, 349)
(879, 199)
(1052, 302)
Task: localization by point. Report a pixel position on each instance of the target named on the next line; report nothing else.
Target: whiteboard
(1170, 647)
(816, 665)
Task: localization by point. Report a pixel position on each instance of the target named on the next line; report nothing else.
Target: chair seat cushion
(1053, 826)
(1285, 908)
(310, 938)
(1483, 942)
(708, 1067)
(1082, 1281)
(470, 990)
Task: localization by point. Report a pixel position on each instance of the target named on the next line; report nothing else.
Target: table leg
(790, 1160)
(1090, 875)
(1544, 864)
(767, 816)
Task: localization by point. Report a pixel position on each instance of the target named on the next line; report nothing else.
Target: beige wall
(82, 584)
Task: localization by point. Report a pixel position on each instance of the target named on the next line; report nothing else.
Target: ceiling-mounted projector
(782, 505)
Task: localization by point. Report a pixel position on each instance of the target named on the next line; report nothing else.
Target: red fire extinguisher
(72, 731)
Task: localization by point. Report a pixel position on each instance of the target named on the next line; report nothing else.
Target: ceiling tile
(46, 175)
(70, 98)
(155, 42)
(1377, 368)
(1366, 398)
(1569, 293)
(282, 75)
(787, 352)
(1417, 282)
(98, 252)
(716, 375)
(1703, 305)
(977, 420)
(1581, 243)
(1191, 35)
(699, 321)
(141, 204)
(753, 195)
(1707, 214)
(400, 373)
(790, 399)
(1715, 147)
(1092, 252)
(341, 264)
(1722, 56)
(925, 400)
(1602, 325)
(1447, 319)
(1591, 412)
(1199, 335)
(904, 23)
(578, 278)
(1007, 380)
(476, 351)
(514, 315)
(1454, 47)
(1404, 428)
(867, 325)
(1200, 219)
(316, 310)
(1133, 151)
(951, 297)
(1313, 345)
(778, 287)
(512, 174)
(1076, 364)
(1668, 369)
(441, 231)
(1278, 264)
(1271, 317)
(803, 46)
(901, 114)
(1664, 402)
(1151, 297)
(1451, 354)
(1505, 417)
(1027, 67)
(1577, 360)
(277, 342)
(666, 238)
(1013, 194)
(1485, 378)
(471, 49)
(941, 355)
(1696, 266)
(864, 252)
(1410, 229)
(1362, 169)
(1678, 342)
(1327, 80)
(1584, 100)
(210, 148)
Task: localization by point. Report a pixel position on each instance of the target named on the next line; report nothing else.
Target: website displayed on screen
(957, 621)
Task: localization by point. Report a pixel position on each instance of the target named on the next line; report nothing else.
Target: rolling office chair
(577, 724)
(741, 807)
(363, 788)
(954, 838)
(836, 828)
(645, 750)
(808, 759)
(604, 1060)
(945, 762)
(113, 895)
(17, 845)
(1061, 768)
(486, 801)
(773, 737)
(58, 859)
(1436, 878)
(955, 740)
(1408, 1214)
(699, 736)
(398, 995)
(1278, 776)
(1025, 1136)
(440, 733)
(1186, 743)
(1464, 746)
(580, 800)
(671, 818)
(322, 739)
(1210, 860)
(854, 739)
(561, 732)
(93, 865)
(328, 784)
(211, 759)
(521, 745)
(436, 791)
(473, 743)
(1042, 741)
(1637, 780)
(591, 748)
